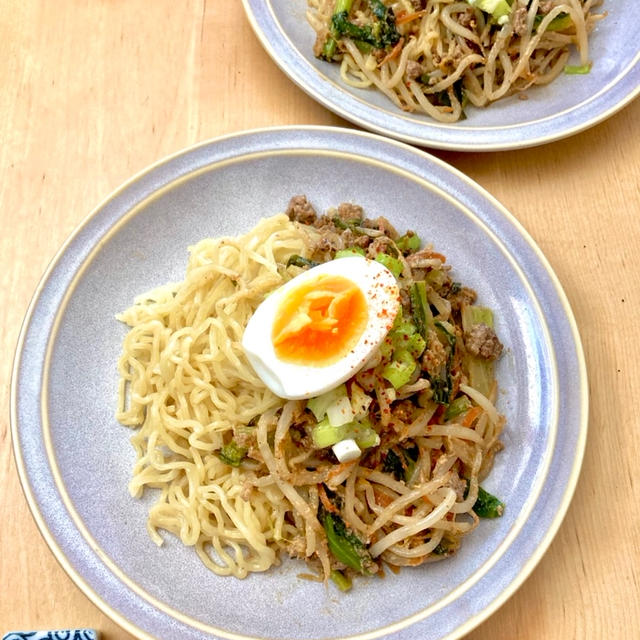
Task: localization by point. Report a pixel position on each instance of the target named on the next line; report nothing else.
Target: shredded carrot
(414, 562)
(410, 17)
(435, 254)
(337, 469)
(472, 414)
(326, 503)
(382, 498)
(435, 418)
(393, 53)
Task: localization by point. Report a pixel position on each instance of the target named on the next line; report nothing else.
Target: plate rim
(306, 80)
(533, 559)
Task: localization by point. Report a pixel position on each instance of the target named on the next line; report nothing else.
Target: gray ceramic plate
(75, 460)
(569, 105)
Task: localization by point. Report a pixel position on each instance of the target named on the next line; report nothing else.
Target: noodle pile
(188, 383)
(188, 389)
(442, 54)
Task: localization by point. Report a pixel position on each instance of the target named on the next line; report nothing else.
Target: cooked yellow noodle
(185, 382)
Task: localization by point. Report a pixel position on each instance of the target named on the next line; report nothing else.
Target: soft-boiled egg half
(321, 327)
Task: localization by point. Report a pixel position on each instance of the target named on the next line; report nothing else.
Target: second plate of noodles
(438, 56)
(466, 75)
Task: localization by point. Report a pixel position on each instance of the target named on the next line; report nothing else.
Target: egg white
(295, 381)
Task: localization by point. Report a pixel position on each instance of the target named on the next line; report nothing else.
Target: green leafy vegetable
(442, 385)
(561, 22)
(415, 345)
(298, 261)
(401, 462)
(344, 544)
(440, 550)
(446, 547)
(487, 505)
(393, 464)
(420, 310)
(441, 388)
(341, 9)
(380, 34)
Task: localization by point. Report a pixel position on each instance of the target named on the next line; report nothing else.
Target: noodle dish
(321, 387)
(438, 56)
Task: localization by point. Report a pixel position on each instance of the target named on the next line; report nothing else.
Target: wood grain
(93, 91)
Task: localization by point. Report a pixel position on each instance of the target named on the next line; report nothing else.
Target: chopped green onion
(340, 411)
(473, 314)
(497, 8)
(341, 581)
(366, 437)
(410, 241)
(360, 401)
(436, 278)
(402, 331)
(459, 406)
(232, 454)
(416, 345)
(325, 434)
(319, 405)
(577, 69)
(399, 371)
(386, 347)
(393, 264)
(350, 252)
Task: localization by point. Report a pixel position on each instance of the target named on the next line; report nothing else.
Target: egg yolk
(320, 321)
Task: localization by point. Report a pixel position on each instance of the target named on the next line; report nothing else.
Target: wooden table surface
(92, 91)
